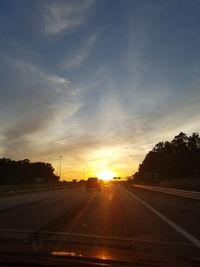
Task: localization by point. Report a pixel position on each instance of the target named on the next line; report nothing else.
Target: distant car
(93, 183)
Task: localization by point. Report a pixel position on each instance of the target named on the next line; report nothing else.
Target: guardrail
(171, 191)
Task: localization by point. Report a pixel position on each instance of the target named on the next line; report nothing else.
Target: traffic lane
(116, 213)
(37, 216)
(184, 212)
(112, 212)
(13, 201)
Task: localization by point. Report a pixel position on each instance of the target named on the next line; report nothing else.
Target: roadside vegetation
(25, 172)
(175, 160)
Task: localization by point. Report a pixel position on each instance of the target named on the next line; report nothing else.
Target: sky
(98, 82)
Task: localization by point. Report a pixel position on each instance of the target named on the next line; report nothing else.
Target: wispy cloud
(64, 16)
(75, 60)
(60, 95)
(40, 102)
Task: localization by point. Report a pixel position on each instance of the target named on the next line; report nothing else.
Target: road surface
(115, 211)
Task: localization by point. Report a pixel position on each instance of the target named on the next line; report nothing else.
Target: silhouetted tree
(25, 172)
(179, 158)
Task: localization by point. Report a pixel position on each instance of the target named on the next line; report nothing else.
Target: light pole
(60, 160)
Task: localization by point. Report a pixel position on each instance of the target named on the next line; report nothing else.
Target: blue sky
(98, 82)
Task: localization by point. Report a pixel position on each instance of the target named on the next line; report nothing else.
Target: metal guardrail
(171, 191)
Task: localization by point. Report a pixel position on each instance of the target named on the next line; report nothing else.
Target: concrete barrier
(171, 191)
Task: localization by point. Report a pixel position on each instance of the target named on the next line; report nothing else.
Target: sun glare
(106, 175)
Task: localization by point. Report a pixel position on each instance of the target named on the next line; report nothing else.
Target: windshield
(99, 136)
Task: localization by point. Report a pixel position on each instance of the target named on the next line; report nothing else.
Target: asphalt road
(115, 211)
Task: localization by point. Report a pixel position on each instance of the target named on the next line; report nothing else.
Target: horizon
(97, 82)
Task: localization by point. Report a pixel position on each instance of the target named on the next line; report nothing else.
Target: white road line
(191, 238)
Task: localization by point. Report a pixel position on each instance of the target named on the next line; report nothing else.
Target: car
(93, 183)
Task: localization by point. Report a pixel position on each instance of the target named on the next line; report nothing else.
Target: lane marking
(179, 229)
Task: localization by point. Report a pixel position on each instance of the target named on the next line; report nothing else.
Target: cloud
(76, 59)
(64, 16)
(142, 89)
(82, 126)
(32, 109)
(108, 122)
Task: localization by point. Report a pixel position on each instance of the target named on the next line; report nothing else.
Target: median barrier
(9, 189)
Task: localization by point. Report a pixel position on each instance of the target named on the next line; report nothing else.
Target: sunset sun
(106, 175)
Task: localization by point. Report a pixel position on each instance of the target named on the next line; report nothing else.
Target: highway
(115, 211)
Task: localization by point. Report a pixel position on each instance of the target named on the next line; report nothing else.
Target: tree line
(25, 172)
(177, 159)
